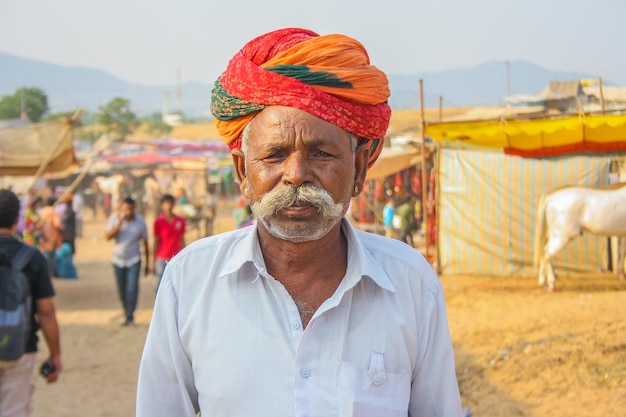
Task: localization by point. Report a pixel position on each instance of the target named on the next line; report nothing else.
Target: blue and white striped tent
(487, 208)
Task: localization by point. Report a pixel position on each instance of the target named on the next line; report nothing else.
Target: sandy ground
(520, 351)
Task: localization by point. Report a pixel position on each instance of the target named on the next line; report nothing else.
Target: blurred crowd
(51, 221)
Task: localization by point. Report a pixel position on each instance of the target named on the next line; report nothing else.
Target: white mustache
(306, 194)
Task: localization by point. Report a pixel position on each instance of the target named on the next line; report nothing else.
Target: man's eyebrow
(317, 142)
(274, 145)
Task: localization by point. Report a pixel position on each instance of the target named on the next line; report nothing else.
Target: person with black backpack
(26, 305)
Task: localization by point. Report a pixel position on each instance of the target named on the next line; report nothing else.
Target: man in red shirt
(169, 236)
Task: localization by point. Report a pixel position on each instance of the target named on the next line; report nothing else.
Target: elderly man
(299, 315)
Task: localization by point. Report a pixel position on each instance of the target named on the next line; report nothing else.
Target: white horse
(567, 212)
(111, 185)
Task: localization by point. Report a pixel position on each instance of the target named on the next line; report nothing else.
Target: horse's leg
(621, 252)
(555, 244)
(542, 272)
(551, 286)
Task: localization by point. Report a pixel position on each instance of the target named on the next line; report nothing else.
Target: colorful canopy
(538, 138)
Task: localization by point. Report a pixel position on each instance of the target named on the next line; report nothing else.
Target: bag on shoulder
(15, 304)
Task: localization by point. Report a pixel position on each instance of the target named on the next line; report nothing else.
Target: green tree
(32, 100)
(158, 128)
(117, 118)
(152, 117)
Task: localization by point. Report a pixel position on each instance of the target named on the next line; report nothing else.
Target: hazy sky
(151, 41)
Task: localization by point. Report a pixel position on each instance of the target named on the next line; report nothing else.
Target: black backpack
(15, 304)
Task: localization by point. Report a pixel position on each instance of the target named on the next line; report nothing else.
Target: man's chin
(298, 231)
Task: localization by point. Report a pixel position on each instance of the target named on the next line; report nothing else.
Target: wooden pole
(46, 162)
(440, 108)
(508, 78)
(601, 95)
(102, 144)
(437, 189)
(75, 183)
(436, 203)
(424, 172)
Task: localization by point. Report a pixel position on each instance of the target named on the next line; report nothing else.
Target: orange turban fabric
(328, 76)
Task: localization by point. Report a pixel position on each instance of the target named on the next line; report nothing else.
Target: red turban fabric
(328, 76)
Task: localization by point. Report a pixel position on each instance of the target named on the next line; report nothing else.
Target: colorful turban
(327, 76)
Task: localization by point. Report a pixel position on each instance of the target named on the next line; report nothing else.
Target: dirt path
(520, 351)
(524, 352)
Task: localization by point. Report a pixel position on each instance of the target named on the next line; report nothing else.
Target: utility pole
(601, 89)
(423, 157)
(440, 108)
(179, 95)
(165, 109)
(508, 78)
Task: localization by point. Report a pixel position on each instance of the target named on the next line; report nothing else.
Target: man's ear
(239, 161)
(361, 158)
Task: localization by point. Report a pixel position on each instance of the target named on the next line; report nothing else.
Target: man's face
(298, 173)
(128, 211)
(167, 206)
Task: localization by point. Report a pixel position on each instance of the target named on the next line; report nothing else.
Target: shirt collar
(248, 251)
(361, 263)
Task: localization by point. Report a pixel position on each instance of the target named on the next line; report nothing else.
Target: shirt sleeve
(41, 285)
(434, 389)
(156, 227)
(166, 385)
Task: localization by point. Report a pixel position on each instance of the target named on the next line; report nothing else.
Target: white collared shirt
(226, 338)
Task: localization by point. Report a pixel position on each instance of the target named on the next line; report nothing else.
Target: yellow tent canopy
(25, 150)
(535, 138)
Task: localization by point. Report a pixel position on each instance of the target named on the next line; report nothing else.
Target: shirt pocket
(372, 392)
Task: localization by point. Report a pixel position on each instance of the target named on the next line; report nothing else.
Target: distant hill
(69, 88)
(482, 85)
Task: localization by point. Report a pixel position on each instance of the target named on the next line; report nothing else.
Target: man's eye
(274, 156)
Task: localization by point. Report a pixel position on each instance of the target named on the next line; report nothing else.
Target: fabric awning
(579, 134)
(391, 161)
(24, 149)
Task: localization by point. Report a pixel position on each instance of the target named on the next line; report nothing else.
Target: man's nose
(297, 170)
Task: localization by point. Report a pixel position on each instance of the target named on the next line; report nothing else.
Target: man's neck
(309, 271)
(8, 232)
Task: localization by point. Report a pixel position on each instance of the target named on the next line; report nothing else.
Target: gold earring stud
(356, 189)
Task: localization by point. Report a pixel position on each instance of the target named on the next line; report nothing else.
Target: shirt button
(305, 372)
(377, 378)
(295, 325)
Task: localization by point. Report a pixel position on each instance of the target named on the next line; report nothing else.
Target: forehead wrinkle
(288, 137)
(281, 130)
